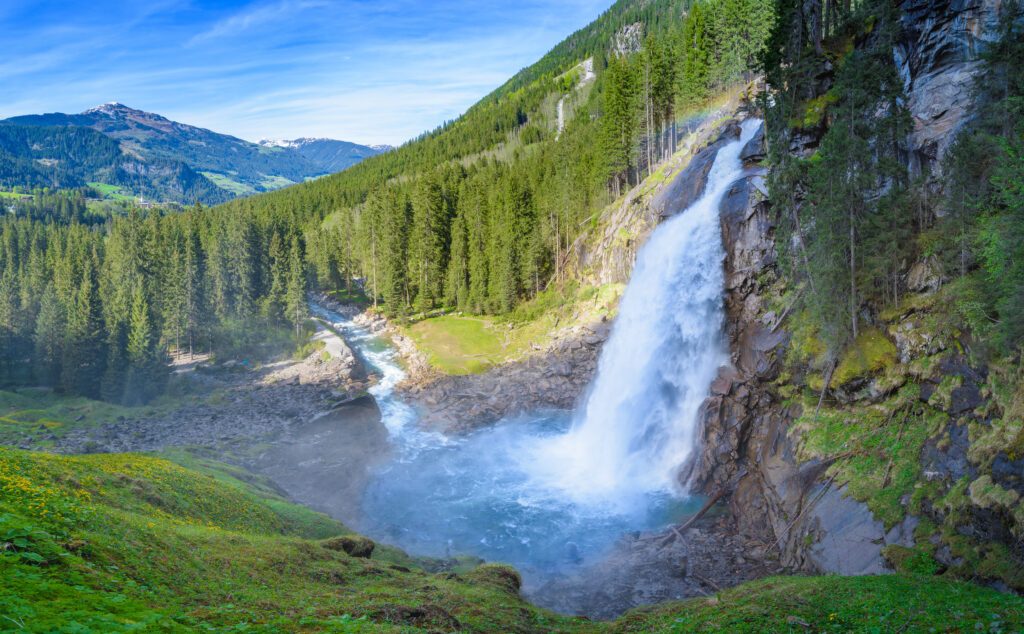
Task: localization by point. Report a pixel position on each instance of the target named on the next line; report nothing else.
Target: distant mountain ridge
(330, 154)
(158, 157)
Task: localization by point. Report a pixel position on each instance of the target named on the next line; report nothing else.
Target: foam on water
(553, 491)
(639, 421)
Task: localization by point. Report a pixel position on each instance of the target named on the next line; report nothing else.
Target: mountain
(155, 156)
(329, 154)
(64, 156)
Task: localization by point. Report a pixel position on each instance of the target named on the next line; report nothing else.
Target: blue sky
(360, 70)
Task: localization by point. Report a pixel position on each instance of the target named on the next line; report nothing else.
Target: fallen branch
(821, 494)
(824, 388)
(708, 582)
(678, 531)
(704, 509)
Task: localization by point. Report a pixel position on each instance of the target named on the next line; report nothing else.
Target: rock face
(746, 440)
(552, 379)
(936, 55)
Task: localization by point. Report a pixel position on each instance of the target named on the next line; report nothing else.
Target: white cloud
(254, 16)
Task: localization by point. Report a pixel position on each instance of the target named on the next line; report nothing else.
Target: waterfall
(639, 420)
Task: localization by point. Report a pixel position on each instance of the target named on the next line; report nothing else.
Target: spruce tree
(49, 335)
(295, 293)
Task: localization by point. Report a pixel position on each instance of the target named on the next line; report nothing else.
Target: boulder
(926, 275)
(754, 150)
(352, 545)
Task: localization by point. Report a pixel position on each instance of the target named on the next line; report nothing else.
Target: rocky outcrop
(552, 378)
(750, 444)
(778, 500)
(937, 54)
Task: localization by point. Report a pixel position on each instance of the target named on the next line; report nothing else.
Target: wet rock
(689, 185)
(754, 150)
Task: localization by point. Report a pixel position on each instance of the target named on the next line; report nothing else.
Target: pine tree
(146, 369)
(619, 121)
(49, 335)
(457, 278)
(428, 252)
(295, 294)
(83, 360)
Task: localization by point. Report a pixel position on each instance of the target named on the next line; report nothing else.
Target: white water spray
(639, 422)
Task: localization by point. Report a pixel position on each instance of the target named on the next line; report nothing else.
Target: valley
(706, 321)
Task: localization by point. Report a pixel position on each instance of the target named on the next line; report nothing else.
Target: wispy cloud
(254, 16)
(363, 70)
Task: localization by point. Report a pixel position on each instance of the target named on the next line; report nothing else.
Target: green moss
(956, 503)
(815, 110)
(911, 560)
(942, 397)
(876, 449)
(806, 346)
(988, 495)
(991, 439)
(871, 352)
(999, 563)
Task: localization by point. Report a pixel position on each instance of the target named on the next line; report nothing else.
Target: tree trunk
(853, 276)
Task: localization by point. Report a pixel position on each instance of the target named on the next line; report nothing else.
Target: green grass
(460, 345)
(466, 344)
(113, 543)
(40, 413)
(111, 192)
(275, 182)
(353, 296)
(116, 543)
(886, 603)
(228, 184)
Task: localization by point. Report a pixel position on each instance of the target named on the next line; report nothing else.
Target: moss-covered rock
(498, 575)
(870, 353)
(352, 545)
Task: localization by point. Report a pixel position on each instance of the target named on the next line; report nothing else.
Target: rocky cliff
(908, 456)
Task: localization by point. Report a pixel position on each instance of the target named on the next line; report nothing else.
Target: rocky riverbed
(552, 377)
(241, 406)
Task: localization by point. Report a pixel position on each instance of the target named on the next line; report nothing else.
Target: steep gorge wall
(799, 506)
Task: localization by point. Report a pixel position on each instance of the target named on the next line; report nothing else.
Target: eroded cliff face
(937, 57)
(956, 499)
(784, 503)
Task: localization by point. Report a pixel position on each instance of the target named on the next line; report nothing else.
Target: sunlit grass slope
(118, 543)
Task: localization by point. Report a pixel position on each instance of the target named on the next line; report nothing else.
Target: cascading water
(638, 424)
(549, 492)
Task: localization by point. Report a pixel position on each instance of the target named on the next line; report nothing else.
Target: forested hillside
(62, 157)
(476, 215)
(855, 213)
(479, 213)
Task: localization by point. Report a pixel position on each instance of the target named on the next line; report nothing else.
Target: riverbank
(238, 406)
(553, 375)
